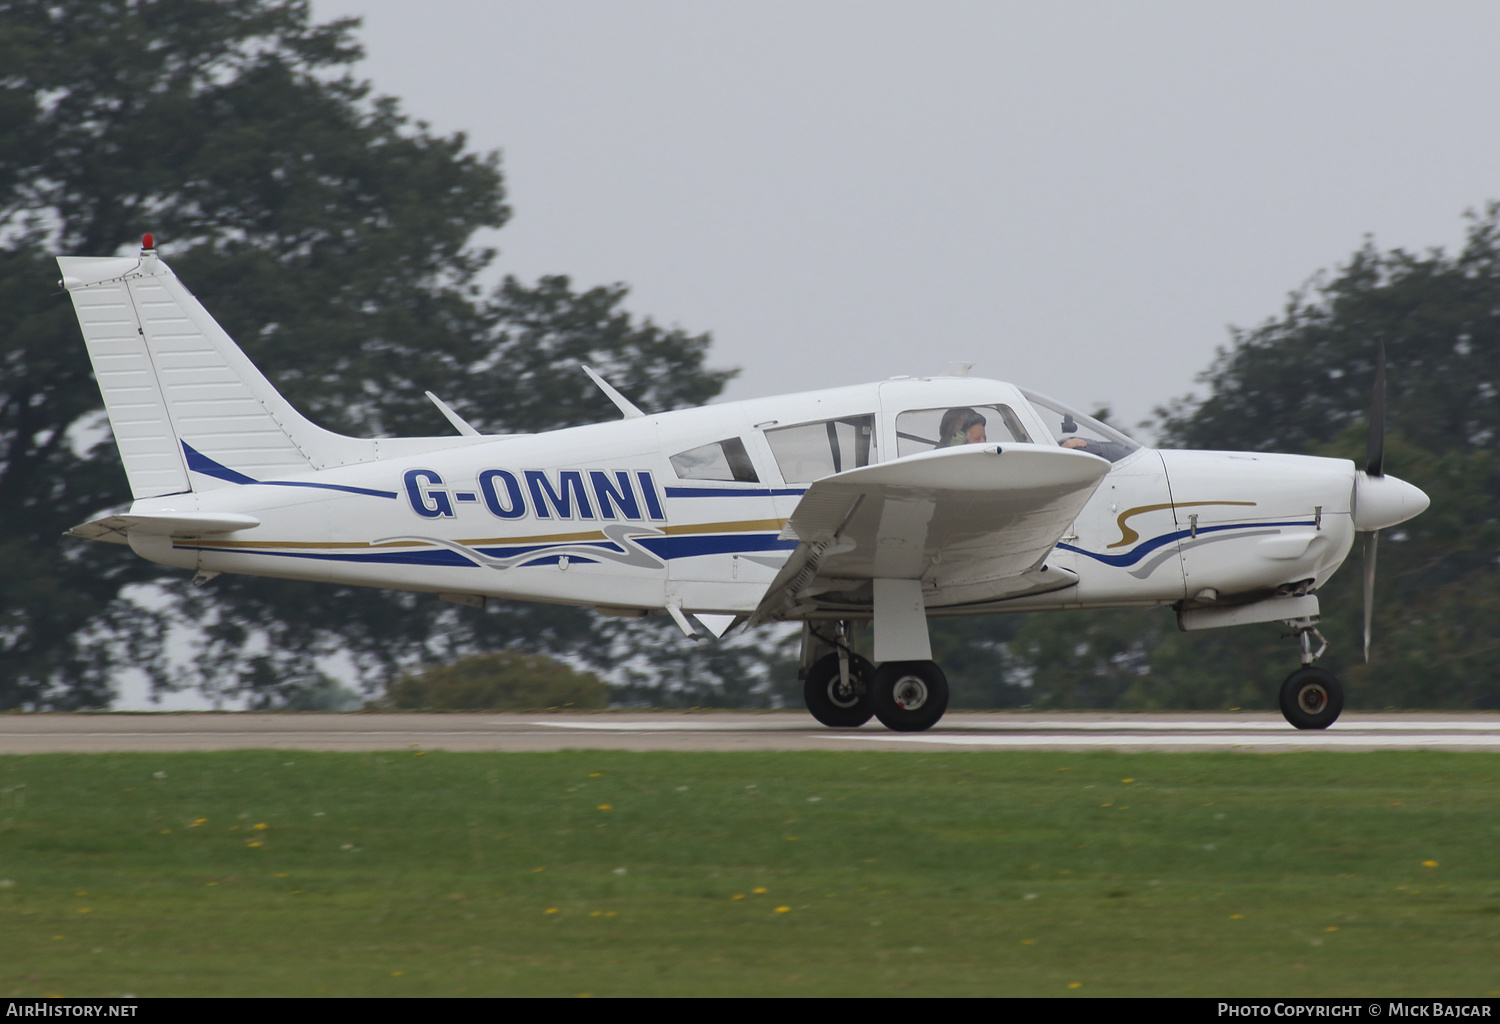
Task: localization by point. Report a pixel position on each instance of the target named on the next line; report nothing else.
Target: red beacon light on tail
(148, 241)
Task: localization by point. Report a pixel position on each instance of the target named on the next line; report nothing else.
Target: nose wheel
(1312, 698)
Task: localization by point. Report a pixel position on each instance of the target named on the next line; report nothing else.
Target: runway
(743, 730)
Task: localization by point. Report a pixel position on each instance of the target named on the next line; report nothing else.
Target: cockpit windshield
(1072, 429)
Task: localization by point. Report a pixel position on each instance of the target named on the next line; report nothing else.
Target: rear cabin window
(811, 451)
(922, 430)
(722, 460)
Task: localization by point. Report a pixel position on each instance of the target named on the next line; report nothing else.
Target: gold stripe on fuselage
(1129, 536)
(737, 526)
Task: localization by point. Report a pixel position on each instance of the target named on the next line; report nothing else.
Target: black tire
(1312, 698)
(909, 696)
(826, 699)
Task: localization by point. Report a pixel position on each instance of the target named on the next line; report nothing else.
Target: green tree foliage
(506, 681)
(976, 654)
(1302, 383)
(755, 669)
(331, 237)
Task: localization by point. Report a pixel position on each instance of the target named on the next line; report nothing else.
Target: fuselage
(688, 508)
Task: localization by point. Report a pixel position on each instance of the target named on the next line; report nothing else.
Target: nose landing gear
(1311, 697)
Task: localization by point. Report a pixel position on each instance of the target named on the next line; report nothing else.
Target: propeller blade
(1375, 446)
(1370, 541)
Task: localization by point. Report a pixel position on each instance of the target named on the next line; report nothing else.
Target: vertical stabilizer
(183, 400)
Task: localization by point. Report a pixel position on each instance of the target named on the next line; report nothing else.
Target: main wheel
(833, 703)
(1311, 698)
(909, 696)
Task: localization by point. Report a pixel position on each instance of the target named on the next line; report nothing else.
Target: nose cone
(1382, 501)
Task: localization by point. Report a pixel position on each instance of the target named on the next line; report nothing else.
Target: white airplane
(882, 503)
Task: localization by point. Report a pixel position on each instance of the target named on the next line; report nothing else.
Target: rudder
(180, 394)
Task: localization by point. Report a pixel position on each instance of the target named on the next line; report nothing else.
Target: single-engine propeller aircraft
(878, 504)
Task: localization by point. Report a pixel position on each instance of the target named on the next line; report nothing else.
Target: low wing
(973, 523)
(172, 524)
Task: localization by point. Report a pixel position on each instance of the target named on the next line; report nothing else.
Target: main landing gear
(1311, 697)
(844, 690)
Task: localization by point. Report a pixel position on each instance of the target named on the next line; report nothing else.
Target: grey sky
(1077, 197)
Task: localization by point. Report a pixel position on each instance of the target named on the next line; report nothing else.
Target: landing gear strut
(837, 690)
(1311, 697)
(843, 690)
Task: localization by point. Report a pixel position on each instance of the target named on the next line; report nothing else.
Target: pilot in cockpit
(961, 426)
(1111, 450)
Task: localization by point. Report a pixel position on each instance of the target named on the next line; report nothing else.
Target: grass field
(610, 873)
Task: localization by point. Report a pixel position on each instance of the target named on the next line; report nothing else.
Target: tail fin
(188, 409)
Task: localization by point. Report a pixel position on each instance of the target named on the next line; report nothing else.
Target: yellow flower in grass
(759, 890)
(261, 827)
(1075, 984)
(1429, 863)
(783, 910)
(550, 910)
(738, 896)
(606, 807)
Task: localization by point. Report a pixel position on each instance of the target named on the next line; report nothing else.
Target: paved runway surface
(96, 733)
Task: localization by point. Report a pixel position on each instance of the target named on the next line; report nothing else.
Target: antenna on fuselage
(627, 408)
(459, 423)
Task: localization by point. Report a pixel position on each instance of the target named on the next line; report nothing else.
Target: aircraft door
(723, 547)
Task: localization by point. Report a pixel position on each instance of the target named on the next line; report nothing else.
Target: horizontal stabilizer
(170, 524)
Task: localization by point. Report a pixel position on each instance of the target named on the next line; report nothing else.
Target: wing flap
(973, 523)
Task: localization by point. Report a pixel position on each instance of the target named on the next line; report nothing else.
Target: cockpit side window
(1072, 429)
(811, 451)
(921, 430)
(722, 460)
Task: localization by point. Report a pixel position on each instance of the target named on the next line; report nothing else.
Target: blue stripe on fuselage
(200, 463)
(1142, 550)
(734, 492)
